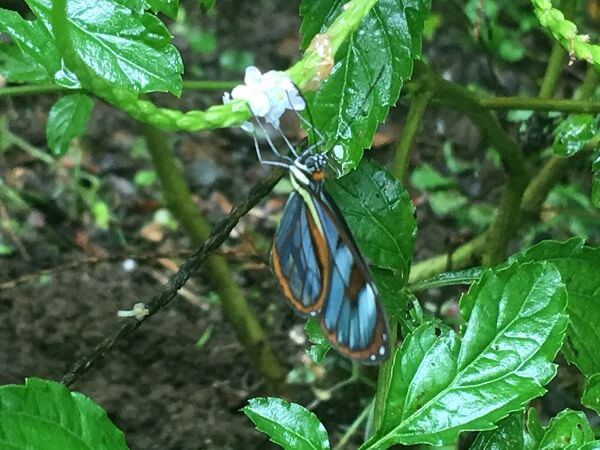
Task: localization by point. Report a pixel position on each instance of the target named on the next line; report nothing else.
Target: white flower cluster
(268, 94)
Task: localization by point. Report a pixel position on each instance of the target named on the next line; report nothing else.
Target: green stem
(233, 304)
(418, 105)
(383, 384)
(553, 71)
(540, 104)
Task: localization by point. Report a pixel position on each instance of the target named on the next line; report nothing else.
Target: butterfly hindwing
(300, 259)
(353, 318)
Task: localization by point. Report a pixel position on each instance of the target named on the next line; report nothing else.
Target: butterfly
(319, 267)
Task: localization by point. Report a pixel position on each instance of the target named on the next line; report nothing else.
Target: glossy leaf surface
(67, 119)
(579, 267)
(442, 385)
(352, 102)
(380, 215)
(45, 415)
(289, 425)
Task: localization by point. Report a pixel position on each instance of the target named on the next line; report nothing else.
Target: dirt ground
(159, 386)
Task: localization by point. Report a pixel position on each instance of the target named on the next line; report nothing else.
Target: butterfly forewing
(299, 258)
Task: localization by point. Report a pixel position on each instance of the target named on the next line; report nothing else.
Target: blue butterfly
(319, 267)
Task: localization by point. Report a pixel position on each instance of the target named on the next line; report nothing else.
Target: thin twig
(218, 235)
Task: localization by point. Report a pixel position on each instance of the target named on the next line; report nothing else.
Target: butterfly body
(320, 268)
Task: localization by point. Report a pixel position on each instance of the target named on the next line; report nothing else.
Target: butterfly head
(311, 165)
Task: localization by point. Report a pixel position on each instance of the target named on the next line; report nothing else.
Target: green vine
(303, 73)
(565, 32)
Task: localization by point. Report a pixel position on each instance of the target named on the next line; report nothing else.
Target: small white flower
(269, 95)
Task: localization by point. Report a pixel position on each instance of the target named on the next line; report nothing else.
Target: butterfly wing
(300, 258)
(353, 318)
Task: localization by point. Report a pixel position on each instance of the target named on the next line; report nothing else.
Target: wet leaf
(568, 430)
(508, 435)
(37, 43)
(579, 267)
(167, 7)
(573, 133)
(127, 49)
(18, 67)
(67, 119)
(45, 415)
(380, 215)
(289, 425)
(591, 395)
(442, 385)
(352, 102)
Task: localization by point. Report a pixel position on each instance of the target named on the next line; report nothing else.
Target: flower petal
(253, 77)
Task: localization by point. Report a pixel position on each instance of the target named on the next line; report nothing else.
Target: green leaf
(596, 178)
(591, 395)
(67, 119)
(319, 344)
(391, 288)
(579, 267)
(289, 425)
(508, 435)
(441, 386)
(45, 415)
(446, 202)
(568, 430)
(127, 49)
(35, 41)
(352, 102)
(573, 133)
(426, 178)
(18, 67)
(380, 215)
(168, 7)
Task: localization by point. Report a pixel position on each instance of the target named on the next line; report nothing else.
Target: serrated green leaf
(391, 288)
(167, 7)
(127, 49)
(426, 178)
(591, 395)
(568, 430)
(44, 414)
(380, 215)
(319, 343)
(441, 386)
(35, 41)
(351, 103)
(534, 428)
(67, 119)
(507, 436)
(18, 67)
(573, 133)
(579, 267)
(289, 425)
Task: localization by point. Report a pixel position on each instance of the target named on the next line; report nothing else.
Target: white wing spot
(382, 350)
(372, 357)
